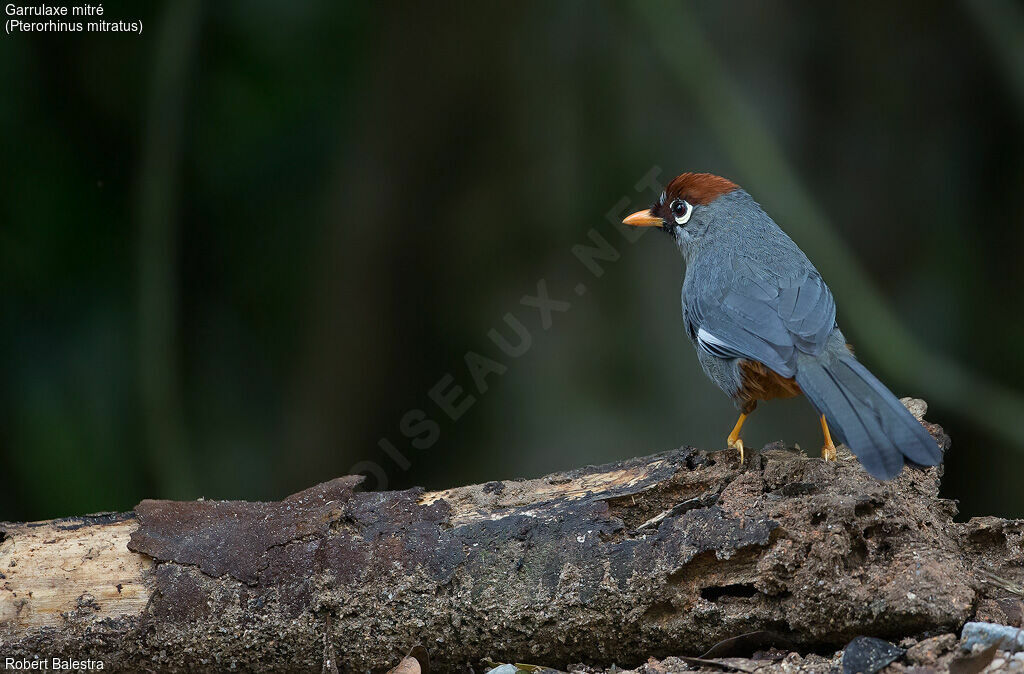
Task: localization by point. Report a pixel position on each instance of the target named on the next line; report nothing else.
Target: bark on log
(656, 556)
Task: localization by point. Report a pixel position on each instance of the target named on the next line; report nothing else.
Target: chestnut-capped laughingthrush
(763, 323)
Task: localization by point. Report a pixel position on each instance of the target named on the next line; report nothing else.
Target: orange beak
(643, 219)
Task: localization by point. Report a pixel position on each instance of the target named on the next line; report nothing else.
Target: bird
(763, 323)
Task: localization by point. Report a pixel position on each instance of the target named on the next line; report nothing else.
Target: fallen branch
(656, 556)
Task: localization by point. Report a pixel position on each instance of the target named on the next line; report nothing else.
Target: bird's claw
(828, 453)
(737, 444)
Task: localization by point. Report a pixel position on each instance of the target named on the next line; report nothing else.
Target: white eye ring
(685, 217)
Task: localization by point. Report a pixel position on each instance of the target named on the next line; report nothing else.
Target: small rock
(494, 487)
(928, 651)
(978, 636)
(867, 655)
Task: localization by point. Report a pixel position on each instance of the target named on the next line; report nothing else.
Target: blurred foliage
(237, 250)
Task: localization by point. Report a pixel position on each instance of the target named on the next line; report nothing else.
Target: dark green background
(237, 249)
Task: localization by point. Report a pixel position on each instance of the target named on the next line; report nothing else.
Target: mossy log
(655, 556)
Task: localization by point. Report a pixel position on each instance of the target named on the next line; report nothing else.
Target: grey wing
(767, 319)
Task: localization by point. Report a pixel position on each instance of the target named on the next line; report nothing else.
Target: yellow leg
(734, 438)
(828, 452)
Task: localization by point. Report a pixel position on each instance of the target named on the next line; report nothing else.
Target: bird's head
(683, 207)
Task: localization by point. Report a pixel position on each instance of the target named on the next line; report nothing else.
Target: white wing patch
(713, 345)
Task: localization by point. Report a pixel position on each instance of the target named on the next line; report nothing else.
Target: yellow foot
(737, 444)
(828, 452)
(733, 440)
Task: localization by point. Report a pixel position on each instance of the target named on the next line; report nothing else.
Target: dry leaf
(974, 663)
(407, 666)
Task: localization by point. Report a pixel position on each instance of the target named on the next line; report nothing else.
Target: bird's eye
(681, 210)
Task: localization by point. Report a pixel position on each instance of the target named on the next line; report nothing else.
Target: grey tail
(863, 414)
